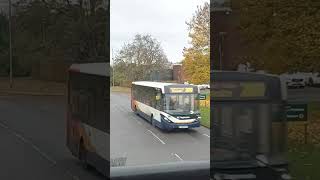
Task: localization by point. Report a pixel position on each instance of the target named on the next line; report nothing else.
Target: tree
(4, 31)
(283, 35)
(59, 29)
(196, 66)
(196, 62)
(136, 60)
(4, 44)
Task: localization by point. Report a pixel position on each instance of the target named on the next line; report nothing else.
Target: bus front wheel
(153, 122)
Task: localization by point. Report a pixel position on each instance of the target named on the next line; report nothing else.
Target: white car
(308, 77)
(296, 81)
(206, 86)
(311, 79)
(316, 79)
(203, 86)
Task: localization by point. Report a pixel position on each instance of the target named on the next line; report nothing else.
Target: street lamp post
(221, 50)
(221, 10)
(112, 69)
(10, 44)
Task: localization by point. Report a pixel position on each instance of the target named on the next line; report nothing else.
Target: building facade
(228, 45)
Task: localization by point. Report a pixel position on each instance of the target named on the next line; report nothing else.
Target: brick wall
(178, 73)
(227, 34)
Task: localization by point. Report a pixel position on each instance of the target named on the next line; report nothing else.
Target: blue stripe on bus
(167, 125)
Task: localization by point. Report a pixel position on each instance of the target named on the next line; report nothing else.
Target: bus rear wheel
(135, 110)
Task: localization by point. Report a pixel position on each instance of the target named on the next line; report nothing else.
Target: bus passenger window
(75, 104)
(84, 108)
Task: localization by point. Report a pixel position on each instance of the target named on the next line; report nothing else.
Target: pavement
(28, 86)
(142, 144)
(32, 134)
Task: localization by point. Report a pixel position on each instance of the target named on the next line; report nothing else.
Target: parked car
(296, 81)
(316, 79)
(308, 77)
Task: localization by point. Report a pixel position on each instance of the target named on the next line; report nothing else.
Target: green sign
(297, 112)
(202, 97)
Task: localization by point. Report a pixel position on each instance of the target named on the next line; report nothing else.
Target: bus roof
(224, 75)
(274, 82)
(160, 85)
(101, 69)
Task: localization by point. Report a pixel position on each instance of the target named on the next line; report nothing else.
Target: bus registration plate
(183, 127)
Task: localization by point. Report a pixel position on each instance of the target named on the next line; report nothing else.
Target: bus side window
(158, 101)
(164, 103)
(75, 103)
(99, 112)
(84, 107)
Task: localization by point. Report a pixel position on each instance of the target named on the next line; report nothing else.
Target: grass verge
(120, 89)
(29, 86)
(304, 159)
(205, 116)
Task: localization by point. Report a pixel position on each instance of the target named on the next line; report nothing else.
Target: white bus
(87, 124)
(167, 106)
(249, 126)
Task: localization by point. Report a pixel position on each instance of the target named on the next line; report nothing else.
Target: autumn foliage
(196, 62)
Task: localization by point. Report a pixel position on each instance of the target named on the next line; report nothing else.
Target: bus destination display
(238, 89)
(181, 90)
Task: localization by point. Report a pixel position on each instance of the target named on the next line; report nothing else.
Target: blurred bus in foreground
(249, 126)
(87, 125)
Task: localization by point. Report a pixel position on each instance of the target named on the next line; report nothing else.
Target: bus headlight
(165, 119)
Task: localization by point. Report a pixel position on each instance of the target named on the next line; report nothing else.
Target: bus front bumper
(171, 126)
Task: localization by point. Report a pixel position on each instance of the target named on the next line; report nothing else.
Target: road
(142, 144)
(32, 134)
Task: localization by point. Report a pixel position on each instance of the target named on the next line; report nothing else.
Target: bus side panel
(134, 105)
(75, 129)
(67, 130)
(70, 133)
(132, 99)
(147, 111)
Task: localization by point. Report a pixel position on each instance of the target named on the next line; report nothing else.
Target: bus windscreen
(238, 90)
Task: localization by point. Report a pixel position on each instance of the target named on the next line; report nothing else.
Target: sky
(162, 19)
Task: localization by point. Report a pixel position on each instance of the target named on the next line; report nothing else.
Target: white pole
(112, 69)
(10, 44)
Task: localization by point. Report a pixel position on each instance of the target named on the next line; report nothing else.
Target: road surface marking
(73, 176)
(4, 126)
(24, 140)
(156, 137)
(34, 147)
(176, 155)
(206, 135)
